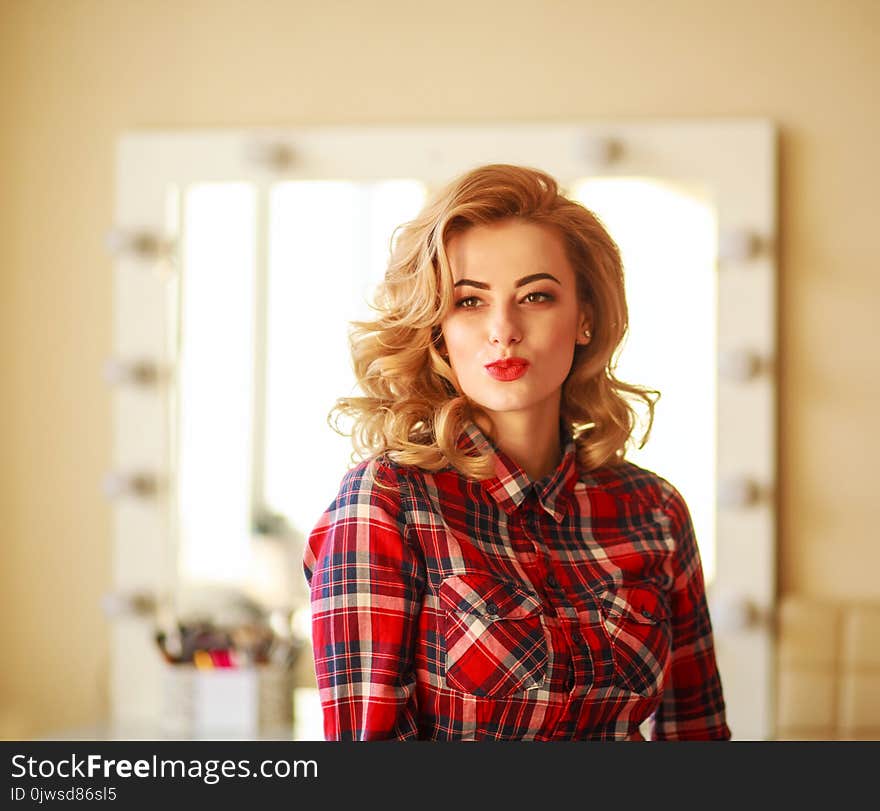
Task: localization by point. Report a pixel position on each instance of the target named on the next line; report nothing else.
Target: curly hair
(414, 410)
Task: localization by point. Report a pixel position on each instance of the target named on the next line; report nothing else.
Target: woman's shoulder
(377, 477)
(369, 490)
(368, 473)
(627, 480)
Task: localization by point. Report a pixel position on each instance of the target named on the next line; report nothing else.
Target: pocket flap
(637, 603)
(487, 596)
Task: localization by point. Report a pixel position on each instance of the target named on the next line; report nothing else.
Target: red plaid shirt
(571, 608)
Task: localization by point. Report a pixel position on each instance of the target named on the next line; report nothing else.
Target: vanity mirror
(240, 256)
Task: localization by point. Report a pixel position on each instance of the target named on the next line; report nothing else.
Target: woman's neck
(530, 438)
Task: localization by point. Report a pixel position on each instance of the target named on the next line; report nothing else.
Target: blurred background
(75, 75)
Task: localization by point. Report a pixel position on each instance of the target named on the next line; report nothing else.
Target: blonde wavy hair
(414, 410)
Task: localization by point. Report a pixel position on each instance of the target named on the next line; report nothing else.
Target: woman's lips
(510, 369)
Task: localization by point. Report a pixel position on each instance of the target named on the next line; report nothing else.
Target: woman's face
(516, 301)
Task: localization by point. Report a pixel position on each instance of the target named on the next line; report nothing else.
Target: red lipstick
(507, 368)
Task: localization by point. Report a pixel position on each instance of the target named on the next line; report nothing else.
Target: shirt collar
(510, 485)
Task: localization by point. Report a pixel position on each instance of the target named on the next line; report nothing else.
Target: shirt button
(569, 681)
(552, 582)
(577, 638)
(492, 609)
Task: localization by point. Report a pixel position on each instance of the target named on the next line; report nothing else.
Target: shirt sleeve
(692, 707)
(365, 586)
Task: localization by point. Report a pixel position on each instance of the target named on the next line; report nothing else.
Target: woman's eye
(465, 303)
(538, 297)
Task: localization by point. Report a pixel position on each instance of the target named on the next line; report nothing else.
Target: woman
(494, 568)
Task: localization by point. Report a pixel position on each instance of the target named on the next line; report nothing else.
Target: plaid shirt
(571, 608)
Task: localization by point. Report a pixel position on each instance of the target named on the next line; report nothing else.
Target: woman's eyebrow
(519, 282)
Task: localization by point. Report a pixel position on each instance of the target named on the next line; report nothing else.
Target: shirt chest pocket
(495, 643)
(637, 621)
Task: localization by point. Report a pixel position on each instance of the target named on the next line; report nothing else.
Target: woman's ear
(585, 328)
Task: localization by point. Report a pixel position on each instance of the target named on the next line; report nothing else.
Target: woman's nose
(503, 329)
